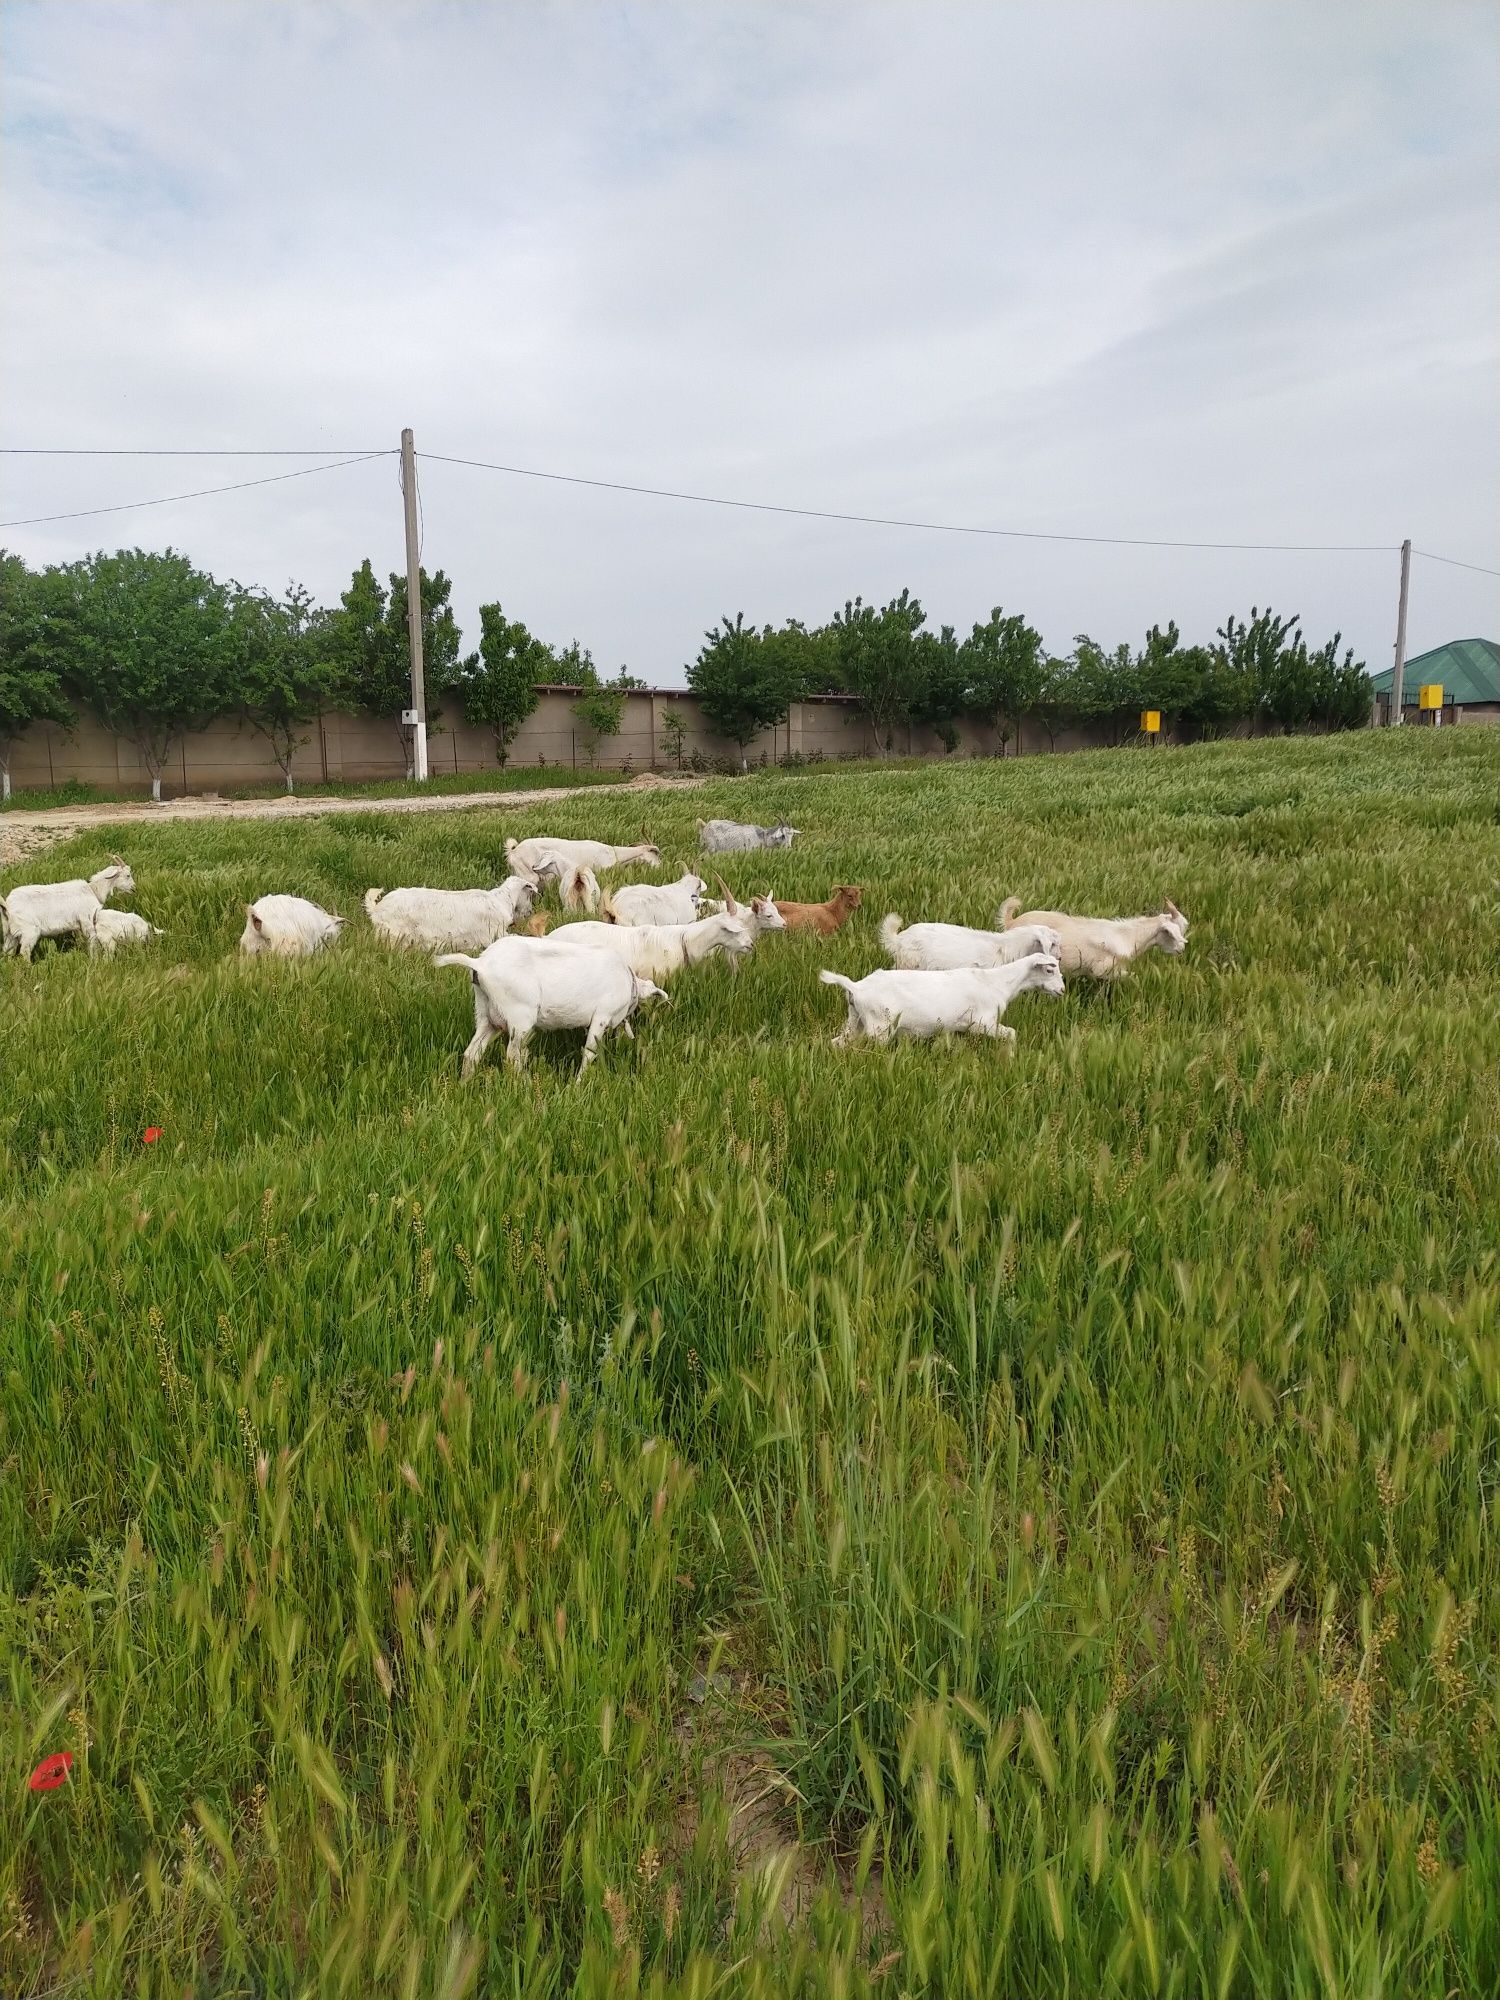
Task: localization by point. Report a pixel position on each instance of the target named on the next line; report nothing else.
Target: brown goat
(824, 918)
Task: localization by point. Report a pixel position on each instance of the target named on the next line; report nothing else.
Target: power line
(1454, 563)
(173, 451)
(354, 456)
(199, 493)
(893, 521)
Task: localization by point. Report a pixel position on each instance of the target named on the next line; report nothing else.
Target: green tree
(1053, 706)
(747, 680)
(673, 731)
(500, 690)
(149, 648)
(1006, 669)
(285, 674)
(31, 689)
(1169, 675)
(1250, 656)
(1225, 694)
(878, 659)
(1344, 696)
(359, 640)
(941, 695)
(600, 707)
(1103, 689)
(371, 645)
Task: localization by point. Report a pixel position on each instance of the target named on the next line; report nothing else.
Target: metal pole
(414, 608)
(1398, 678)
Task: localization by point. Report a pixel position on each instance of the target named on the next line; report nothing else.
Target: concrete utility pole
(418, 709)
(1398, 678)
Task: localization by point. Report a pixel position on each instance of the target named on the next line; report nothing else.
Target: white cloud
(1217, 274)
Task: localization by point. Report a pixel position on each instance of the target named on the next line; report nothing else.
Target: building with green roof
(1467, 670)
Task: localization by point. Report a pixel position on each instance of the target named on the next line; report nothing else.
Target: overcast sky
(1193, 272)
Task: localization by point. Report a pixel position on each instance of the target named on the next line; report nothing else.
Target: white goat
(450, 919)
(59, 909)
(656, 951)
(649, 903)
(545, 854)
(759, 915)
(522, 984)
(732, 836)
(1102, 947)
(110, 928)
(922, 1004)
(288, 926)
(950, 947)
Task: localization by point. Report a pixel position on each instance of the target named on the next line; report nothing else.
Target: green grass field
(771, 1520)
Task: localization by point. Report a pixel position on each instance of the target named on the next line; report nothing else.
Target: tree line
(1260, 670)
(155, 647)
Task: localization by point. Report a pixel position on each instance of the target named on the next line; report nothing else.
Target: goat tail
(837, 979)
(457, 958)
(1010, 909)
(890, 929)
(576, 891)
(372, 897)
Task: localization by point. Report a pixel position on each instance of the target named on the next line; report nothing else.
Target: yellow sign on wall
(1431, 695)
(1151, 720)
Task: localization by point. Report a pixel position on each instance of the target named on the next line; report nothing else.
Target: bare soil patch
(23, 833)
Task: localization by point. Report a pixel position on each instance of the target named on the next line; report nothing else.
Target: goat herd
(593, 975)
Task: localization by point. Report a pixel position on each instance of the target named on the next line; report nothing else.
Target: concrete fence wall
(358, 748)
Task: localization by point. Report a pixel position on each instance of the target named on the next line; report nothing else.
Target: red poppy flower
(151, 1134)
(51, 1772)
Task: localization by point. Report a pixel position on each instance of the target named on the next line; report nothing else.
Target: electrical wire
(1454, 563)
(352, 456)
(175, 451)
(895, 521)
(200, 493)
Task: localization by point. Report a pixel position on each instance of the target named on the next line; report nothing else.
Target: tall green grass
(1072, 1478)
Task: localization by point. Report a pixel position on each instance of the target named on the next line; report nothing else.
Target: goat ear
(254, 918)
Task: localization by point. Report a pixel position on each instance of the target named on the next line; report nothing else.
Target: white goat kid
(732, 836)
(758, 916)
(522, 984)
(450, 919)
(649, 903)
(923, 1004)
(656, 951)
(1102, 947)
(288, 927)
(547, 855)
(112, 928)
(952, 947)
(59, 909)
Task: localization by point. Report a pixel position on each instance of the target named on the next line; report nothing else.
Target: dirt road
(24, 832)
